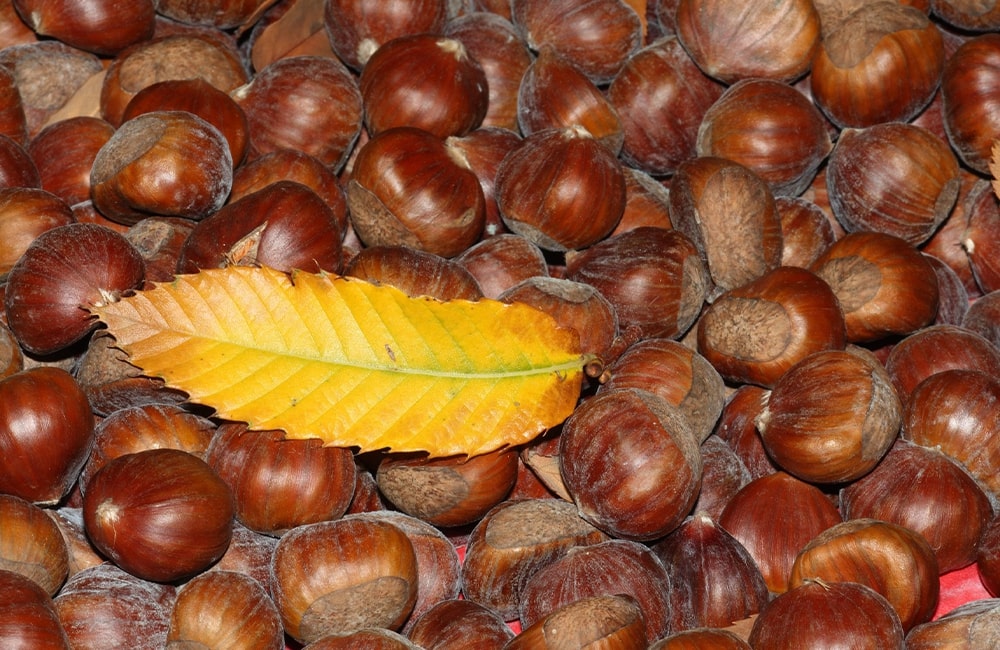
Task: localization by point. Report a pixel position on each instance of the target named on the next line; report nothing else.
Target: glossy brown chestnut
(597, 35)
(647, 202)
(426, 81)
(884, 284)
(654, 278)
(357, 28)
(61, 274)
(723, 475)
(177, 510)
(337, 577)
(180, 55)
(817, 613)
(408, 188)
(278, 484)
(32, 544)
(774, 517)
(981, 236)
(47, 433)
(502, 261)
(483, 150)
(561, 188)
(103, 27)
(731, 40)
(806, 231)
(28, 617)
(201, 98)
(460, 623)
(880, 63)
(414, 272)
(17, 169)
(971, 624)
(895, 561)
(64, 154)
(728, 211)
(494, 42)
(12, 120)
(25, 213)
(769, 127)
(285, 226)
(894, 178)
(988, 557)
(210, 13)
(308, 103)
(661, 97)
(170, 163)
(969, 98)
(613, 620)
(630, 462)
(935, 349)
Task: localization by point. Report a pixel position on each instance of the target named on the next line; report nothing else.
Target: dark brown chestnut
(968, 98)
(64, 154)
(97, 26)
(25, 213)
(28, 615)
(356, 28)
(414, 272)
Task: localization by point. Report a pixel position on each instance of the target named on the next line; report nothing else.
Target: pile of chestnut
(773, 223)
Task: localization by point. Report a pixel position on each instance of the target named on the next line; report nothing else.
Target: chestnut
(598, 35)
(731, 40)
(702, 638)
(561, 188)
(979, 240)
(500, 262)
(483, 150)
(32, 544)
(630, 462)
(177, 510)
(61, 274)
(647, 202)
(426, 81)
(13, 124)
(25, 213)
(28, 617)
(894, 178)
(806, 231)
(935, 349)
(210, 13)
(969, 624)
(356, 28)
(337, 577)
(414, 272)
(756, 332)
(769, 127)
(308, 103)
(46, 433)
(279, 484)
(408, 188)
(64, 154)
(462, 623)
(100, 26)
(968, 99)
(17, 168)
(723, 475)
(613, 620)
(987, 556)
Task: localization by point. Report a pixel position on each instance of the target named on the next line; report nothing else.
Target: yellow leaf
(352, 363)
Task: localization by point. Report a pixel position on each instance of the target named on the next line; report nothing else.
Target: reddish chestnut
(25, 213)
(100, 26)
(32, 544)
(356, 28)
(64, 154)
(28, 617)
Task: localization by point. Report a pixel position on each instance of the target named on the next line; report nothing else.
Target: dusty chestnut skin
(169, 56)
(105, 606)
(714, 579)
(954, 411)
(857, 71)
(723, 475)
(630, 462)
(613, 567)
(728, 211)
(661, 97)
(884, 285)
(170, 163)
(554, 93)
(732, 41)
(177, 510)
(894, 178)
(425, 81)
(356, 29)
(308, 103)
(28, 615)
(492, 40)
(341, 576)
(561, 188)
(224, 609)
(448, 492)
(972, 625)
(48, 431)
(285, 225)
(64, 153)
(598, 35)
(806, 231)
(414, 272)
(460, 623)
(924, 490)
(613, 620)
(831, 417)
(279, 484)
(371, 638)
(935, 349)
(201, 98)
(250, 553)
(982, 317)
(221, 15)
(818, 613)
(32, 544)
(969, 99)
(512, 542)
(61, 274)
(774, 517)
(408, 188)
(654, 278)
(906, 571)
(159, 240)
(25, 213)
(103, 27)
(701, 639)
(770, 127)
(756, 332)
